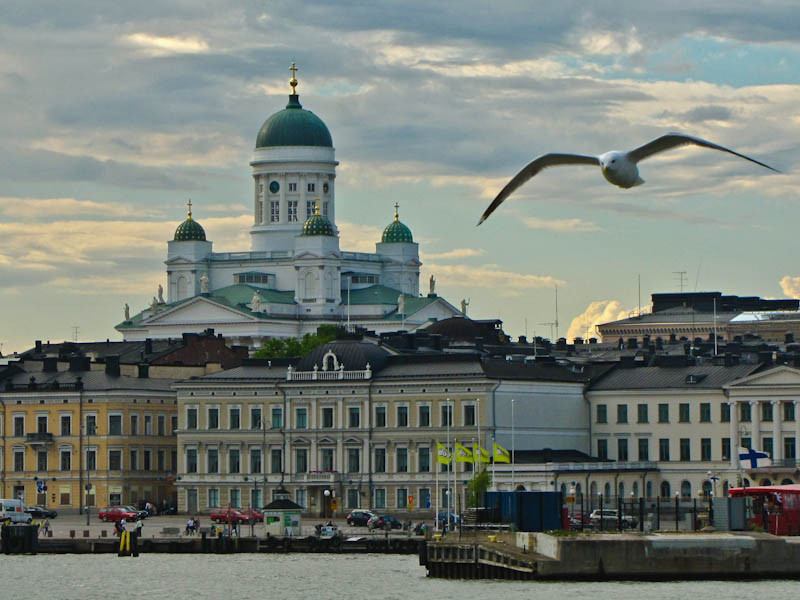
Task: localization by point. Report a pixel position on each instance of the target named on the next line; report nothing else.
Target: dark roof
(465, 329)
(532, 370)
(282, 504)
(546, 455)
(698, 377)
(353, 354)
(92, 381)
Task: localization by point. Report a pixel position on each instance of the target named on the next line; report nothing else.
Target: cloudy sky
(113, 114)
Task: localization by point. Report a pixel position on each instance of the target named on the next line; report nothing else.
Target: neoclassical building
(295, 277)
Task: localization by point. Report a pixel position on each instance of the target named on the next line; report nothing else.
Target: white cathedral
(295, 278)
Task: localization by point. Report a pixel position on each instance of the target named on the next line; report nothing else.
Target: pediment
(781, 376)
(199, 310)
(326, 441)
(179, 260)
(352, 441)
(301, 441)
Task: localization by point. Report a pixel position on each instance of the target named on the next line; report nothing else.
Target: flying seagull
(619, 168)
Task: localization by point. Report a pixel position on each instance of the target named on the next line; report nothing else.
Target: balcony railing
(337, 375)
(39, 438)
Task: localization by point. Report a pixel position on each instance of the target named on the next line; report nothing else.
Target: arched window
(182, 287)
(686, 490)
(666, 491)
(706, 488)
(635, 489)
(725, 486)
(607, 490)
(593, 490)
(310, 289)
(520, 488)
(787, 482)
(648, 489)
(621, 490)
(746, 482)
(563, 490)
(765, 481)
(578, 490)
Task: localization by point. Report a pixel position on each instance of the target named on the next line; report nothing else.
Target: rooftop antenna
(556, 321)
(639, 310)
(697, 277)
(526, 327)
(681, 278)
(75, 330)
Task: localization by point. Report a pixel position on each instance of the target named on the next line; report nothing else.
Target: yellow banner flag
(443, 455)
(501, 455)
(479, 454)
(463, 455)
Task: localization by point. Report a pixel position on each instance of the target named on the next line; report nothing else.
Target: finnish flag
(752, 459)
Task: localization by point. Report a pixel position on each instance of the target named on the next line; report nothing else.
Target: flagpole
(513, 449)
(436, 507)
(450, 492)
(455, 481)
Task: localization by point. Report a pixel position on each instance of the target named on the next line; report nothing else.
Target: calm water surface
(305, 576)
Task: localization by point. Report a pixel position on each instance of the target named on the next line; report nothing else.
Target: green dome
(397, 232)
(294, 126)
(317, 224)
(190, 231)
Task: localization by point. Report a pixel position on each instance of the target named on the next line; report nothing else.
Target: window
(234, 418)
(325, 209)
(162, 461)
(162, 425)
(328, 465)
(277, 418)
(705, 449)
(705, 412)
(424, 458)
(353, 416)
(213, 418)
(644, 449)
(301, 460)
(622, 450)
(41, 461)
(402, 416)
(380, 416)
(766, 444)
(788, 411)
(402, 460)
(309, 208)
(602, 449)
(685, 449)
(380, 460)
(174, 457)
(311, 187)
(353, 498)
(299, 498)
(275, 210)
(19, 460)
(622, 413)
(301, 418)
(725, 412)
(255, 417)
(744, 412)
(148, 460)
(291, 206)
(134, 424)
(380, 497)
(276, 460)
(213, 460)
(233, 460)
(424, 416)
(213, 498)
(726, 448)
(683, 412)
(469, 415)
(148, 425)
(115, 461)
(663, 413)
(191, 418)
(236, 497)
(747, 443)
(327, 417)
(789, 448)
(293, 187)
(353, 460)
(134, 460)
(19, 426)
(402, 497)
(602, 413)
(115, 425)
(91, 460)
(663, 449)
(447, 415)
(641, 413)
(66, 425)
(41, 424)
(766, 411)
(255, 460)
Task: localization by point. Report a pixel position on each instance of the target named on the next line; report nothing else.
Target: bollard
(50, 533)
(72, 533)
(103, 533)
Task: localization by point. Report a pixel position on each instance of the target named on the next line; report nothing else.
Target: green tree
(293, 347)
(477, 486)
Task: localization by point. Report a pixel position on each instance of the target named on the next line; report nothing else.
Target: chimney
(38, 345)
(436, 341)
(148, 346)
(659, 343)
(578, 341)
(592, 340)
(645, 341)
(112, 365)
(632, 343)
(522, 340)
(144, 371)
(79, 383)
(79, 363)
(50, 364)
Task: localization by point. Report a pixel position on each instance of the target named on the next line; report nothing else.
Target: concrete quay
(541, 556)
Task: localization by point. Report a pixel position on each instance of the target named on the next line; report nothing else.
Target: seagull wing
(544, 161)
(673, 140)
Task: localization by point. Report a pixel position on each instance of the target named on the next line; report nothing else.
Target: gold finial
(293, 81)
(316, 205)
(396, 214)
(189, 204)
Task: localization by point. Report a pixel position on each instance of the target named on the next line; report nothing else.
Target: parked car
(257, 515)
(380, 522)
(39, 512)
(234, 515)
(451, 518)
(608, 518)
(12, 510)
(359, 518)
(117, 513)
(575, 520)
(142, 514)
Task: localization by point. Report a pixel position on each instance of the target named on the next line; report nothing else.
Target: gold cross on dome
(396, 214)
(293, 81)
(189, 204)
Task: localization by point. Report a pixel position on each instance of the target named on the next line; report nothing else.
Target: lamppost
(677, 509)
(90, 429)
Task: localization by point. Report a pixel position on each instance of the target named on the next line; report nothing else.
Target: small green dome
(396, 231)
(317, 224)
(190, 230)
(294, 126)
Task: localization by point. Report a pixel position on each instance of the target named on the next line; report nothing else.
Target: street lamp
(677, 509)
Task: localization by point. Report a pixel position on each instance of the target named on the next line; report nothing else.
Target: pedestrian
(189, 526)
(122, 525)
(139, 525)
(117, 528)
(46, 527)
(197, 524)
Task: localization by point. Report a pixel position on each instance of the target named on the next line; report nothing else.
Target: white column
(755, 419)
(796, 426)
(734, 433)
(777, 441)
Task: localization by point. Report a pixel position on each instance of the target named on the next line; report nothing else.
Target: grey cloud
(711, 112)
